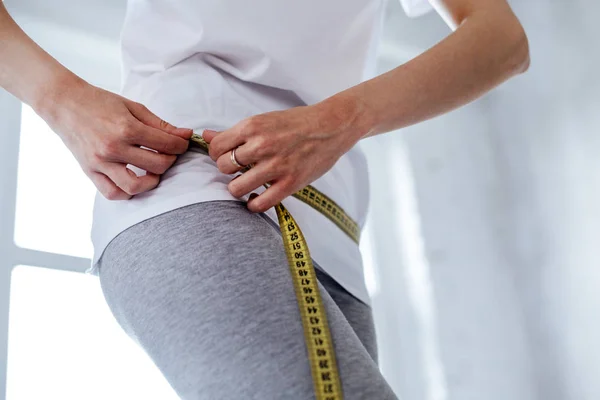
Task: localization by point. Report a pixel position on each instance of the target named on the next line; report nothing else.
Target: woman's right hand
(104, 131)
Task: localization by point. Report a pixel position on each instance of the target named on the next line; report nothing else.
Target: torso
(209, 64)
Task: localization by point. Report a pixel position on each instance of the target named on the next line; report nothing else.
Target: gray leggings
(205, 290)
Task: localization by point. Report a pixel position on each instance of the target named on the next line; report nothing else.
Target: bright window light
(64, 343)
(54, 196)
(366, 249)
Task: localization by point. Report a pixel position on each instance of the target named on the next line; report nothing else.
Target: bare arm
(26, 70)
(104, 131)
(294, 147)
(488, 46)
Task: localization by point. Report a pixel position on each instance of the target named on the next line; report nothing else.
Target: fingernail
(252, 196)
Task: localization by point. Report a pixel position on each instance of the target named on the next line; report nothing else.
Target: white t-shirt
(206, 64)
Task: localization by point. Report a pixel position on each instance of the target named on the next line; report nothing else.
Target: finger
(107, 187)
(148, 160)
(226, 166)
(208, 135)
(143, 135)
(270, 197)
(148, 118)
(243, 156)
(251, 180)
(225, 141)
(127, 180)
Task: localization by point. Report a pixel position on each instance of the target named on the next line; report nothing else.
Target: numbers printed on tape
(319, 344)
(314, 321)
(329, 208)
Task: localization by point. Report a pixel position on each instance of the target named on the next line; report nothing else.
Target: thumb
(146, 117)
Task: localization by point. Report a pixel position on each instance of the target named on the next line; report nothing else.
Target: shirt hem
(103, 237)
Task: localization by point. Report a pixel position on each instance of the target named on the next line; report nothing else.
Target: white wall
(508, 191)
(547, 130)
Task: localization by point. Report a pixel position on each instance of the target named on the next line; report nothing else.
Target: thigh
(357, 313)
(206, 292)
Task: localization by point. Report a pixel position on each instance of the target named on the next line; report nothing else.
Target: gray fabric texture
(205, 290)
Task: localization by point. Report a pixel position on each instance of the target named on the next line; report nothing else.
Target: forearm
(26, 70)
(483, 52)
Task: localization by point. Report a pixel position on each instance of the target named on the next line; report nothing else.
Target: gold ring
(233, 159)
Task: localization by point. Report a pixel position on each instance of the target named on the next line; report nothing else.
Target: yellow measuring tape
(317, 336)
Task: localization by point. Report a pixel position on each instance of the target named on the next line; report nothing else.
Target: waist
(194, 178)
(346, 182)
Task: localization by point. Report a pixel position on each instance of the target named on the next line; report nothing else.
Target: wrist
(55, 95)
(349, 115)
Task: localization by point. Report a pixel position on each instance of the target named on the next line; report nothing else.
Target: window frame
(12, 255)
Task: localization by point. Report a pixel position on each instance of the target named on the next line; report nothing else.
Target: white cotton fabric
(206, 64)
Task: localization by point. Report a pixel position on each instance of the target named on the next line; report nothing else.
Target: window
(65, 344)
(54, 196)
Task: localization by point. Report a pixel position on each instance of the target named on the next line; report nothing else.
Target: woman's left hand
(288, 149)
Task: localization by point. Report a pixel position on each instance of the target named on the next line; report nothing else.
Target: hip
(195, 179)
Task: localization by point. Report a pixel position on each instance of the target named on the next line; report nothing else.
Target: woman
(192, 273)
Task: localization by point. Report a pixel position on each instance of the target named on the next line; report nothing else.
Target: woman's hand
(104, 131)
(288, 149)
